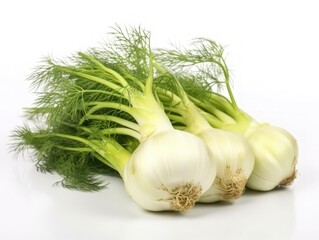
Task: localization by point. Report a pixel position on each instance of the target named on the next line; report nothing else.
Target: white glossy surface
(273, 52)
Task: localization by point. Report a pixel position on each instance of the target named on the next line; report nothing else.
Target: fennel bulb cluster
(202, 66)
(152, 118)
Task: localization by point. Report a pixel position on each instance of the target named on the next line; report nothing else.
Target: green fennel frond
(77, 163)
(204, 61)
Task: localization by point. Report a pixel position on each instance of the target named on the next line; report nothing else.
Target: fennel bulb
(235, 163)
(276, 154)
(169, 171)
(233, 156)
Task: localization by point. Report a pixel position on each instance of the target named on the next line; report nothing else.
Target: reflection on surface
(256, 215)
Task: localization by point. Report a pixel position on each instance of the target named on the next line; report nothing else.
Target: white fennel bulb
(169, 171)
(235, 162)
(276, 154)
(230, 151)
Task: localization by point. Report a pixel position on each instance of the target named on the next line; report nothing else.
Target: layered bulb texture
(230, 151)
(235, 162)
(276, 154)
(169, 171)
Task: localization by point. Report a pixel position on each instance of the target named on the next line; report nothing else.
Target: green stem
(218, 104)
(120, 79)
(148, 91)
(220, 98)
(213, 110)
(122, 131)
(96, 155)
(213, 121)
(175, 118)
(106, 83)
(166, 96)
(193, 120)
(135, 80)
(112, 153)
(221, 102)
(116, 155)
(108, 93)
(99, 105)
(174, 110)
(182, 128)
(176, 101)
(221, 115)
(118, 120)
(76, 149)
(230, 93)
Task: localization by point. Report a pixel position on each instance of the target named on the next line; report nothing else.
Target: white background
(272, 49)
